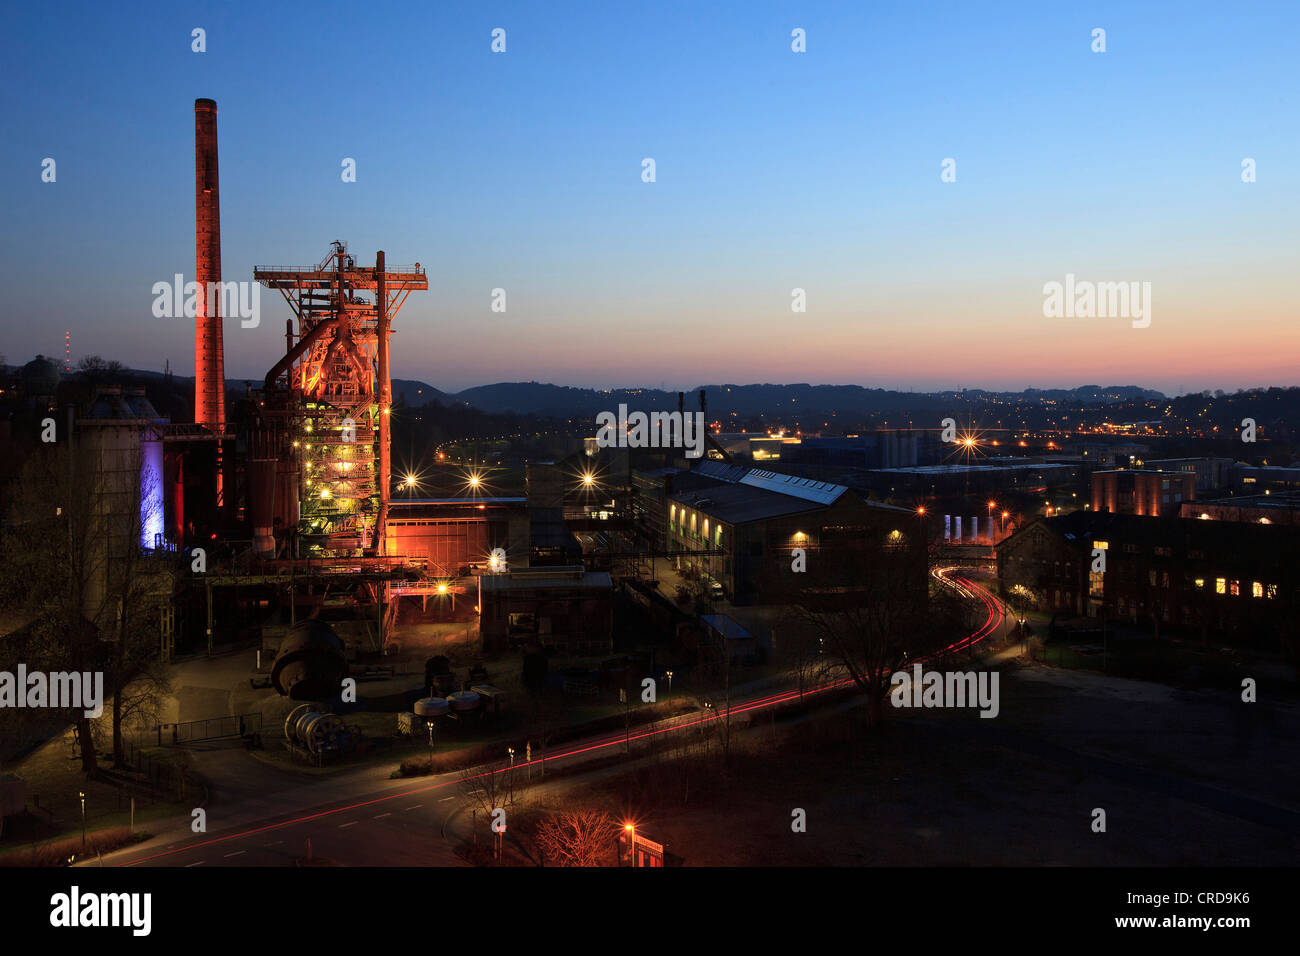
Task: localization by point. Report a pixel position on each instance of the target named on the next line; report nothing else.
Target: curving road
(381, 822)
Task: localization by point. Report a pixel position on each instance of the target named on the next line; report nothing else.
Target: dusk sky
(775, 170)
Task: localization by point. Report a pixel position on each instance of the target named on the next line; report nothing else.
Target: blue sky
(775, 170)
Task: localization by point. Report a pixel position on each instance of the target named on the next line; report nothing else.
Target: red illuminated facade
(1142, 492)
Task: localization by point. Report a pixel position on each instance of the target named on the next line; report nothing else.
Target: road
(374, 821)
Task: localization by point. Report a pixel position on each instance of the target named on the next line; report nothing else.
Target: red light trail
(995, 618)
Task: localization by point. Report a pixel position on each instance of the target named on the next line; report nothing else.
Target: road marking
(344, 826)
(236, 853)
(416, 807)
(381, 816)
(445, 799)
(188, 865)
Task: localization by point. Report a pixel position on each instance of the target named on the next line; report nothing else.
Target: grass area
(1141, 659)
(54, 781)
(70, 849)
(909, 794)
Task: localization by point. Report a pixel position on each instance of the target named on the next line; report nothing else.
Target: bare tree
(577, 837)
(485, 791)
(547, 716)
(136, 590)
(96, 370)
(872, 611)
(53, 568)
(72, 564)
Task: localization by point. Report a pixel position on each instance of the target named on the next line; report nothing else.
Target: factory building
(738, 522)
(566, 609)
(1212, 474)
(453, 537)
(1260, 479)
(991, 476)
(1282, 508)
(1143, 492)
(1179, 572)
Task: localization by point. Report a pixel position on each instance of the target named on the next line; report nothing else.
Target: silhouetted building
(1282, 508)
(1228, 577)
(1211, 473)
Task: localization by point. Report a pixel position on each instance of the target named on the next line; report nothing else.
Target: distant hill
(757, 399)
(565, 401)
(419, 393)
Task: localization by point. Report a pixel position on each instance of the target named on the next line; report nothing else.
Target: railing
(190, 731)
(326, 270)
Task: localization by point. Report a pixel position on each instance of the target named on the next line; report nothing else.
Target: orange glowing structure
(334, 388)
(209, 366)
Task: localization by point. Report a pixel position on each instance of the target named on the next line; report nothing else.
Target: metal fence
(191, 731)
(162, 779)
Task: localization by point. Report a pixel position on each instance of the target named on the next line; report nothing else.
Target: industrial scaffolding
(332, 393)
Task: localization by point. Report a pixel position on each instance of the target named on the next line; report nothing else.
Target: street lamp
(432, 725)
(669, 675)
(631, 828)
(82, 795)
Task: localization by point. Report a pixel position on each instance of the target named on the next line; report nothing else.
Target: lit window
(1272, 591)
(1220, 586)
(1200, 582)
(1234, 588)
(1101, 545)
(1256, 589)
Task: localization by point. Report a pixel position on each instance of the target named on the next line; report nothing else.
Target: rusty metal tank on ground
(310, 664)
(317, 732)
(464, 701)
(431, 707)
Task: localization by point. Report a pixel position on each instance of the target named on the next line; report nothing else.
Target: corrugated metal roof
(822, 492)
(738, 504)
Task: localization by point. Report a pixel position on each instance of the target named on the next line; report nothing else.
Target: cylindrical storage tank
(463, 701)
(432, 707)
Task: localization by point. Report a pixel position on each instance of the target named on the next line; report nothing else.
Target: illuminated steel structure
(330, 396)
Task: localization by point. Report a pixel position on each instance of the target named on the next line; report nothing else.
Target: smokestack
(209, 365)
(385, 390)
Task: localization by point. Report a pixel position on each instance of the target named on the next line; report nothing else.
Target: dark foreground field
(1185, 779)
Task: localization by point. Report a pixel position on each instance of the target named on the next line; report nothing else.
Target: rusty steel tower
(209, 365)
(332, 392)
